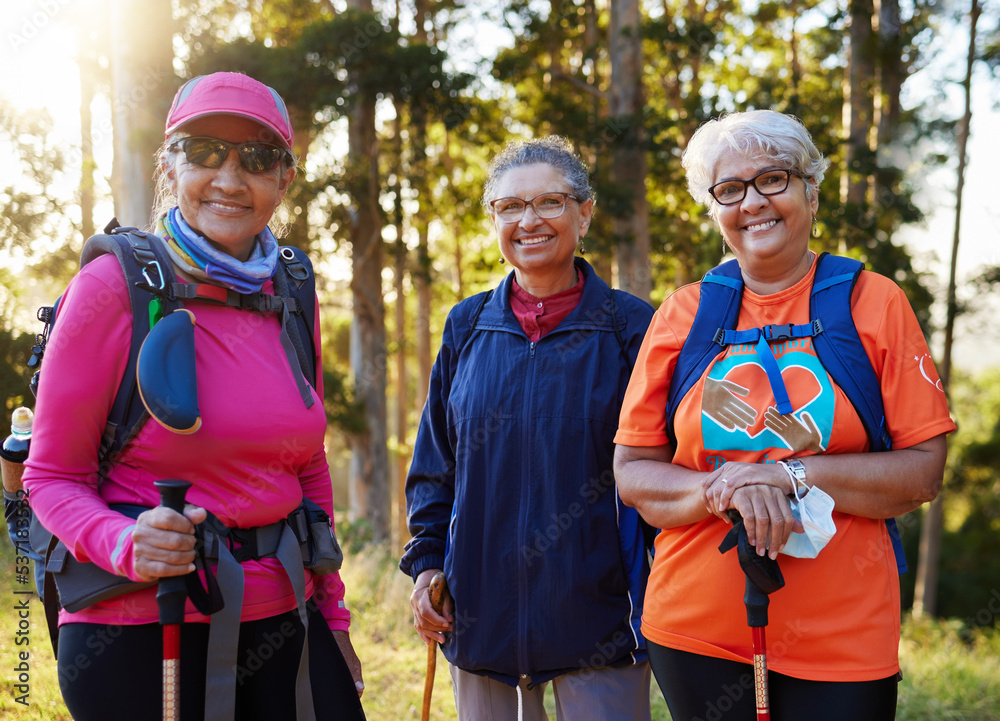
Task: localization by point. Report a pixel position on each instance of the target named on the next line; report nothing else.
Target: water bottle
(14, 452)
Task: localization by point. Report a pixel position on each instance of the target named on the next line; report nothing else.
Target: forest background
(398, 107)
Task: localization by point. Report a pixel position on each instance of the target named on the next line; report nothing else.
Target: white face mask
(815, 510)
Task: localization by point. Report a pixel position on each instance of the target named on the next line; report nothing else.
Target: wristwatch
(797, 472)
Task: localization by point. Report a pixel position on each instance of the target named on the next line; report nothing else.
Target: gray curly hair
(753, 134)
(553, 150)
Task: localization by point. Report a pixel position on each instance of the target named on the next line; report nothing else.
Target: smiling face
(541, 249)
(767, 233)
(228, 205)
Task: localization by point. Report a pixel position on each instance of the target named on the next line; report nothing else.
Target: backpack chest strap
(761, 339)
(261, 302)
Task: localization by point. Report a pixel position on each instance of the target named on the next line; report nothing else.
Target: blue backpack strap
(144, 264)
(843, 355)
(718, 310)
(473, 319)
(839, 345)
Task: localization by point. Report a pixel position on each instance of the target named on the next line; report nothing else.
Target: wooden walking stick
(437, 591)
(170, 597)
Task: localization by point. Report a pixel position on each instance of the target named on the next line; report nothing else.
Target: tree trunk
(891, 73)
(858, 111)
(892, 70)
(143, 85)
(370, 461)
(628, 170)
(448, 165)
(925, 594)
(422, 273)
(402, 533)
(87, 64)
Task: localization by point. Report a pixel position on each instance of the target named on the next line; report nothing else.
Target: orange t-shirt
(837, 618)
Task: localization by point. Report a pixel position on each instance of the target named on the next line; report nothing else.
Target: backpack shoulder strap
(145, 265)
(839, 346)
(843, 355)
(618, 332)
(721, 294)
(294, 279)
(473, 319)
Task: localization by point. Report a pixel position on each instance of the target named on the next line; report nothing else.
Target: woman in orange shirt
(834, 627)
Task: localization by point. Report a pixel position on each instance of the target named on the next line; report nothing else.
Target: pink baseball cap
(231, 94)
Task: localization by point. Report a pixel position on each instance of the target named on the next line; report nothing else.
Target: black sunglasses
(212, 153)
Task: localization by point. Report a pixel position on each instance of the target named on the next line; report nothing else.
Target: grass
(949, 671)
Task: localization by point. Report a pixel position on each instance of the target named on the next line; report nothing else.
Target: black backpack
(154, 291)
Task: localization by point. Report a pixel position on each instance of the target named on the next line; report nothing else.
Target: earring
(723, 246)
(583, 250)
(815, 228)
(502, 260)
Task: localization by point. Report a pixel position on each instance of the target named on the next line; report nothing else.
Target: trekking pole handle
(172, 493)
(172, 591)
(437, 589)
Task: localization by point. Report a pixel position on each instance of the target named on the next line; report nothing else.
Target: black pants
(116, 672)
(702, 688)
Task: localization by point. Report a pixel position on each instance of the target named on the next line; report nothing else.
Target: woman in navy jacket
(511, 490)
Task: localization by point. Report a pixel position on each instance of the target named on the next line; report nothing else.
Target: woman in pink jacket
(223, 170)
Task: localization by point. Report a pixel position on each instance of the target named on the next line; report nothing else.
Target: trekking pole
(437, 590)
(170, 597)
(763, 577)
(756, 602)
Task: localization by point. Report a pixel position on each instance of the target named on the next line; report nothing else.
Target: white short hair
(753, 134)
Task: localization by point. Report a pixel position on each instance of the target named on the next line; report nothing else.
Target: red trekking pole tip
(170, 598)
(760, 675)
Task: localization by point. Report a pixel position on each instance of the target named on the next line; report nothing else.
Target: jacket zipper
(525, 503)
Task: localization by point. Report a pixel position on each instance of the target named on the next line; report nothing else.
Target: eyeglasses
(212, 153)
(546, 205)
(770, 182)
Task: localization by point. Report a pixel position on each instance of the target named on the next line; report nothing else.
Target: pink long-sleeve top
(258, 451)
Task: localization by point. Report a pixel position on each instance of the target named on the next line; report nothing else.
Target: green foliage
(15, 349)
(949, 672)
(970, 566)
(338, 398)
(29, 209)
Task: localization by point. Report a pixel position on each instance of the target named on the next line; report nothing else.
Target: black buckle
(771, 333)
(247, 540)
(299, 523)
(720, 337)
(295, 269)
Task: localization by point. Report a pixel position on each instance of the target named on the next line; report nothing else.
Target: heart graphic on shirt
(801, 383)
(733, 421)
